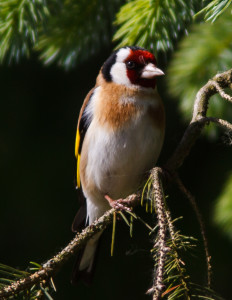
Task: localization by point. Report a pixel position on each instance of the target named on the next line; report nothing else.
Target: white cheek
(119, 74)
(118, 70)
(123, 54)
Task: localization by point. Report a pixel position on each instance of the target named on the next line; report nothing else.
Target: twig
(222, 80)
(220, 91)
(222, 123)
(201, 223)
(196, 125)
(172, 235)
(161, 237)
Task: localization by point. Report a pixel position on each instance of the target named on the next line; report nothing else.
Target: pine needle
(124, 218)
(53, 284)
(131, 226)
(113, 233)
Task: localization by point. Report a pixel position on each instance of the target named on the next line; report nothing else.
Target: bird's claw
(120, 204)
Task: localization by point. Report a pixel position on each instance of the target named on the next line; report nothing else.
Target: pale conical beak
(150, 71)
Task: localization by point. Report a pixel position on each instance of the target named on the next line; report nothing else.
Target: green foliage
(223, 209)
(10, 274)
(172, 275)
(214, 9)
(39, 291)
(80, 29)
(20, 21)
(177, 280)
(202, 54)
(67, 32)
(153, 24)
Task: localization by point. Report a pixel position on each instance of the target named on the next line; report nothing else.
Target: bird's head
(132, 66)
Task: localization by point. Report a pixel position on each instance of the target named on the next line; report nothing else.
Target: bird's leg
(122, 204)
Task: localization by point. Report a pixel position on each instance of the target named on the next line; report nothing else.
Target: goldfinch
(119, 137)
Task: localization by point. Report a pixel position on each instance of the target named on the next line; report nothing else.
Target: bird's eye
(130, 65)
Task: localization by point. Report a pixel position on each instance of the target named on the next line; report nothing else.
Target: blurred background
(50, 56)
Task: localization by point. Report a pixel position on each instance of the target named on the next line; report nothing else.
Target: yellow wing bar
(77, 143)
(78, 156)
(78, 171)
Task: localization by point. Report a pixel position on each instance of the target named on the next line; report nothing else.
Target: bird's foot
(122, 204)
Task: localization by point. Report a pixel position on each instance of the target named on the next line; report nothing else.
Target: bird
(119, 137)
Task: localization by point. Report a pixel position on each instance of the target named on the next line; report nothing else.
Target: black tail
(86, 259)
(87, 274)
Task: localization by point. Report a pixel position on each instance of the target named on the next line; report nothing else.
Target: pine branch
(66, 31)
(152, 24)
(49, 268)
(20, 22)
(171, 279)
(78, 30)
(201, 223)
(214, 9)
(160, 243)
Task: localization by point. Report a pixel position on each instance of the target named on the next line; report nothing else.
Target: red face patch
(139, 59)
(140, 56)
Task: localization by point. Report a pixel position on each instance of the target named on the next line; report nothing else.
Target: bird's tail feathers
(86, 261)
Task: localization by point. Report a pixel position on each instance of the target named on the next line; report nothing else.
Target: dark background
(38, 117)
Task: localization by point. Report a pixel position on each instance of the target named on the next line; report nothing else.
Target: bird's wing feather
(82, 127)
(79, 221)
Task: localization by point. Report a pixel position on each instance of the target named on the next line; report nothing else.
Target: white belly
(117, 160)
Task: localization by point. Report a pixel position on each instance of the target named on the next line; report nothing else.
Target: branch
(161, 236)
(222, 123)
(54, 264)
(198, 121)
(192, 201)
(193, 131)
